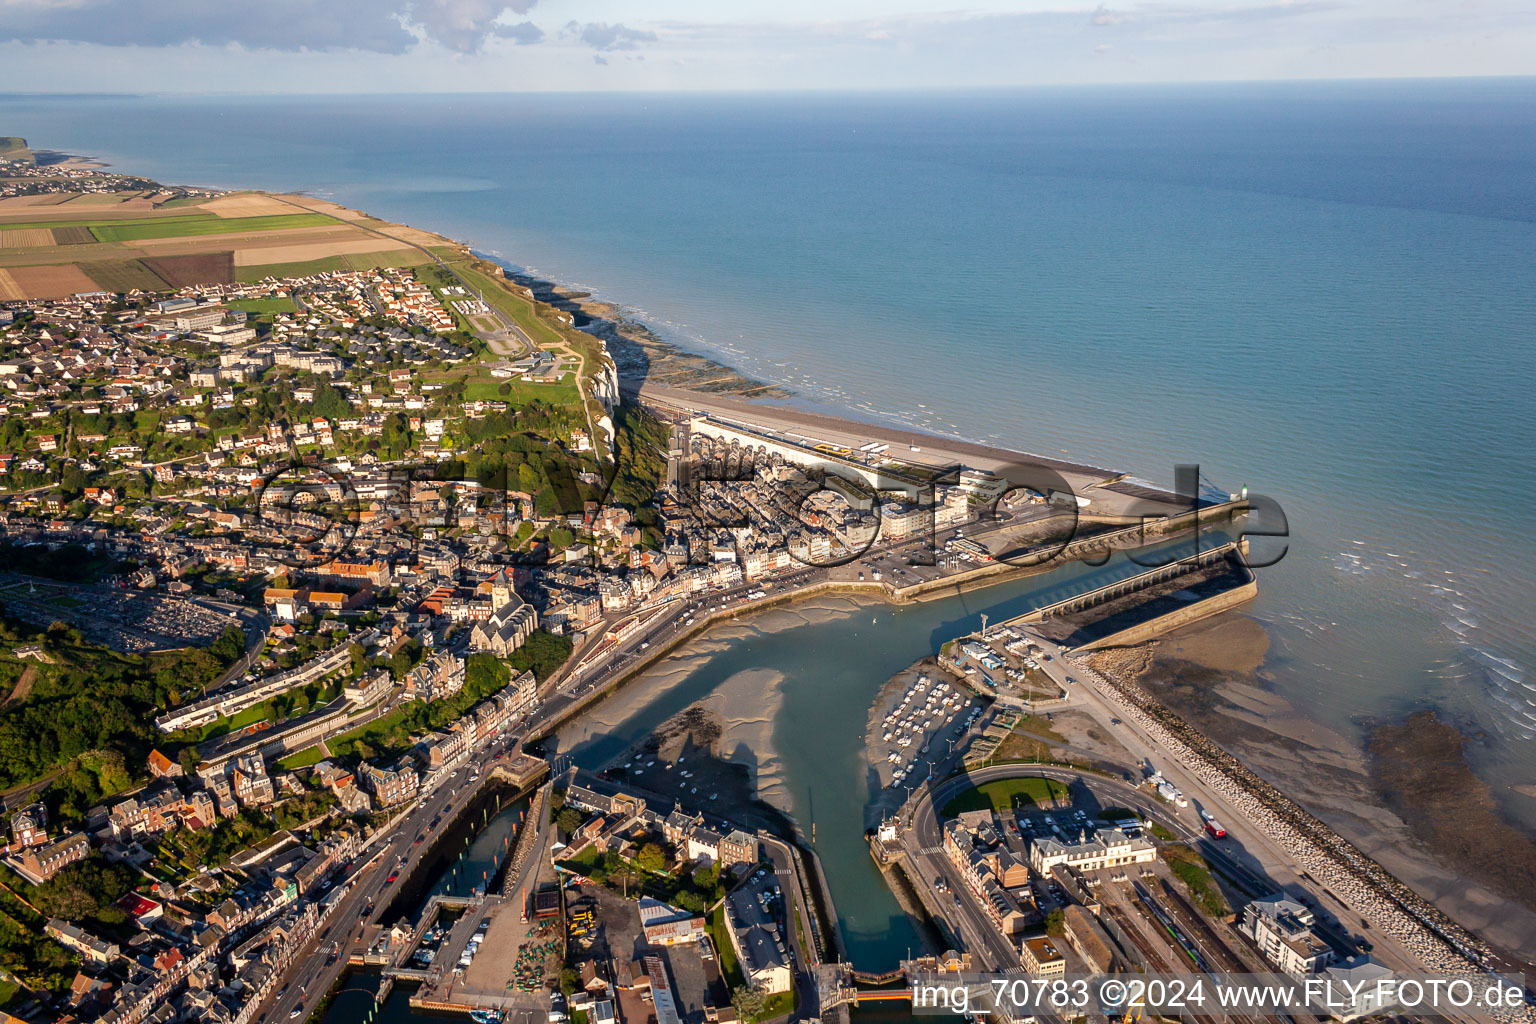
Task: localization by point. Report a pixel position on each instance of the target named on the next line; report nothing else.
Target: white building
(1282, 929)
(1107, 849)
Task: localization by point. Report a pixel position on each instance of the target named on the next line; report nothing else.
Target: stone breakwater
(1369, 889)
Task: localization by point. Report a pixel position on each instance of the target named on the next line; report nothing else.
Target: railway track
(1215, 949)
(1205, 957)
(1155, 962)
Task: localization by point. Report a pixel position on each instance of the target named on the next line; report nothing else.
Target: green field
(13, 147)
(486, 389)
(302, 758)
(1006, 794)
(378, 727)
(521, 310)
(274, 304)
(180, 227)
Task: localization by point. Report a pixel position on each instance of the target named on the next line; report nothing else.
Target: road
(369, 887)
(802, 959)
(1247, 846)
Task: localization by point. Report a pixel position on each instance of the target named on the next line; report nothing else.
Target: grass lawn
(778, 1004)
(1191, 869)
(221, 725)
(377, 727)
(302, 758)
(1031, 740)
(1006, 794)
(8, 989)
(486, 389)
(730, 970)
(585, 861)
(273, 304)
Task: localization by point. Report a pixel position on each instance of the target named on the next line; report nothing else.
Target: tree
(569, 820)
(85, 890)
(624, 875)
(707, 877)
(1055, 922)
(750, 1002)
(400, 664)
(652, 858)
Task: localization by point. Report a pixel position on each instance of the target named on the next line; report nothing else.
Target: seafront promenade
(907, 445)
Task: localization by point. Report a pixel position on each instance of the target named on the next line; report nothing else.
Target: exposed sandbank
(1211, 673)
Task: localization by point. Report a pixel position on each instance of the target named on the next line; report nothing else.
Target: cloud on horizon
(602, 36)
(461, 26)
(449, 45)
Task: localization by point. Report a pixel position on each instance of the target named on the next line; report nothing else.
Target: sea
(1325, 292)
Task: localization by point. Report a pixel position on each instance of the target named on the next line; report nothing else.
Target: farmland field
(123, 276)
(355, 261)
(54, 246)
(194, 268)
(50, 282)
(25, 237)
(247, 205)
(205, 225)
(299, 252)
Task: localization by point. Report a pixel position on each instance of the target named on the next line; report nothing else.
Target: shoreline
(1210, 675)
(1260, 714)
(585, 302)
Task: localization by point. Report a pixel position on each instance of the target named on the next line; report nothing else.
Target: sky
(346, 46)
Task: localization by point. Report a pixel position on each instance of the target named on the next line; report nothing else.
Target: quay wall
(454, 829)
(1192, 612)
(1134, 533)
(928, 590)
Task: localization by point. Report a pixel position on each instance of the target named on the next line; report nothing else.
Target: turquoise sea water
(1326, 292)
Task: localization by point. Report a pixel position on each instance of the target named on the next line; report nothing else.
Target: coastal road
(1247, 846)
(805, 960)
